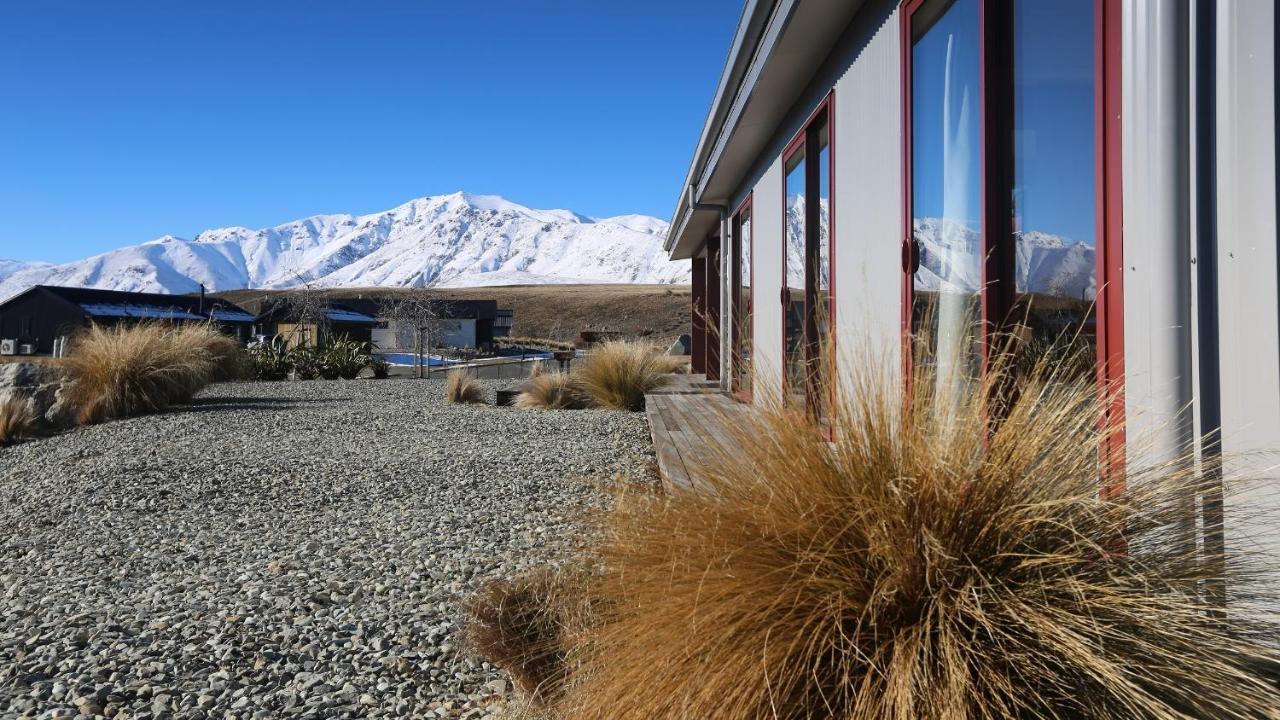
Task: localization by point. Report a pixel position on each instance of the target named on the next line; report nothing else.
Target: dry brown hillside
(558, 312)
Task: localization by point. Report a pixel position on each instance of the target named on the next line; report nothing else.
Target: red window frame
(996, 117)
(824, 110)
(736, 331)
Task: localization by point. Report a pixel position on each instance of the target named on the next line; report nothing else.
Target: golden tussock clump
(617, 374)
(124, 371)
(17, 423)
(925, 564)
(552, 391)
(674, 364)
(524, 625)
(462, 388)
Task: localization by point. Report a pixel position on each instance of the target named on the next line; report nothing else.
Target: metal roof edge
(742, 52)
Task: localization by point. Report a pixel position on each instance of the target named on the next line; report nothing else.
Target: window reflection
(1054, 213)
(946, 194)
(742, 311)
(795, 265)
(820, 264)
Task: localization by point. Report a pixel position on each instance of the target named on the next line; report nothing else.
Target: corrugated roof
(138, 311)
(339, 314)
(231, 315)
(119, 304)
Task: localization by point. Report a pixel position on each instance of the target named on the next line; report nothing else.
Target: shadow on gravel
(216, 404)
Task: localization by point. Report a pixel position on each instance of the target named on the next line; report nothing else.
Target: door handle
(910, 255)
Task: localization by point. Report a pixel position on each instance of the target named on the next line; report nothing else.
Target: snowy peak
(1046, 263)
(10, 267)
(455, 240)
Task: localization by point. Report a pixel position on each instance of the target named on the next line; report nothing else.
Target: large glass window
(946, 193)
(821, 266)
(742, 309)
(1054, 201)
(810, 296)
(796, 217)
(1003, 186)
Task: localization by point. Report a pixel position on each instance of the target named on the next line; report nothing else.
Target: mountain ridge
(455, 240)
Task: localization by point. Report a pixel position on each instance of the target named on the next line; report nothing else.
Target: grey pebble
(285, 549)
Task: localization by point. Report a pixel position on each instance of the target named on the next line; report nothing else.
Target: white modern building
(868, 167)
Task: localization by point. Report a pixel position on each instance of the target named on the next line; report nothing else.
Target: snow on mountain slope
(457, 240)
(1047, 264)
(12, 267)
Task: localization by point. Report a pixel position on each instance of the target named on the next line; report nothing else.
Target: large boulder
(40, 386)
(681, 346)
(25, 375)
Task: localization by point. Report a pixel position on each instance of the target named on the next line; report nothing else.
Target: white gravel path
(283, 549)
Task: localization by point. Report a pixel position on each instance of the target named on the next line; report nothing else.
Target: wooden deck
(684, 420)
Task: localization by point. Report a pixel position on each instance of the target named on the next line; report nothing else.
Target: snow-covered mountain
(12, 267)
(1046, 264)
(457, 240)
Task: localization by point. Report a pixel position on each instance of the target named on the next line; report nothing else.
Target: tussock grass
(552, 391)
(462, 387)
(674, 364)
(124, 371)
(524, 626)
(230, 361)
(17, 423)
(926, 564)
(619, 373)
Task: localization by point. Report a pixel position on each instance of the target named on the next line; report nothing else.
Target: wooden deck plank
(686, 426)
(671, 465)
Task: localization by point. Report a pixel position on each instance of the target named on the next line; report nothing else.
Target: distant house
(34, 320)
(341, 320)
(462, 324)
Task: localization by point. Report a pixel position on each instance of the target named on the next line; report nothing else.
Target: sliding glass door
(809, 297)
(1009, 115)
(742, 310)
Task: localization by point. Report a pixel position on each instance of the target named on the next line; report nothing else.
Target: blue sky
(123, 121)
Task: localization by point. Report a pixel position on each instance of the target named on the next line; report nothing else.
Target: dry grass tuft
(230, 359)
(674, 364)
(619, 373)
(913, 570)
(524, 626)
(17, 423)
(124, 371)
(553, 391)
(462, 388)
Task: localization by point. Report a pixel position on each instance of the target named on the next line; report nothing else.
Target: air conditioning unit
(8, 346)
(26, 349)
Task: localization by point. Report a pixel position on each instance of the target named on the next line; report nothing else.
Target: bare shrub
(925, 563)
(619, 373)
(462, 387)
(553, 391)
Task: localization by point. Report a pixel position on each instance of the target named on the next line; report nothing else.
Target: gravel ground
(284, 550)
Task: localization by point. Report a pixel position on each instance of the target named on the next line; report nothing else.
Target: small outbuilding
(35, 321)
(341, 320)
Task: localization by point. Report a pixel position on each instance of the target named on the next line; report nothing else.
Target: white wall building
(868, 166)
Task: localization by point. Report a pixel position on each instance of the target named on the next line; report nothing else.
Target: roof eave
(746, 40)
